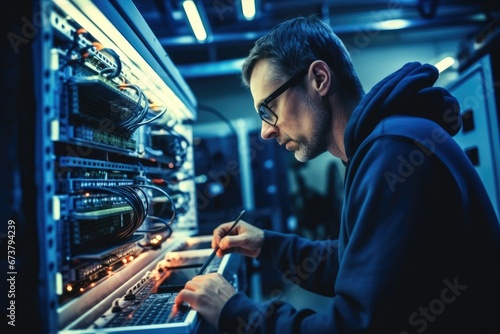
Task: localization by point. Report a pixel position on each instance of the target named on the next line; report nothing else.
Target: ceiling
(232, 35)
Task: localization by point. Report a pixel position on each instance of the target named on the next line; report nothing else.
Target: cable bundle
(172, 206)
(139, 200)
(136, 117)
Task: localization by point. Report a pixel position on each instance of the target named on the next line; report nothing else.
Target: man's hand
(244, 238)
(206, 294)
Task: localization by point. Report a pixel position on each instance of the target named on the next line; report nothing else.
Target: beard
(317, 143)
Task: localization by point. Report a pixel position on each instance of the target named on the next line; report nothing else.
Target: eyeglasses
(265, 113)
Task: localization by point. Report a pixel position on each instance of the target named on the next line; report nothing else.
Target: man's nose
(267, 131)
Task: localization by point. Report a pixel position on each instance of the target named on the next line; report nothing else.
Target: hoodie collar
(408, 91)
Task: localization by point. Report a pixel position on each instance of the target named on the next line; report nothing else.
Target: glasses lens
(267, 114)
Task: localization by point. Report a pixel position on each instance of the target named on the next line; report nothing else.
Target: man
(419, 243)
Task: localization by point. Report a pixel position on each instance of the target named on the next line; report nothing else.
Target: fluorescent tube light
(194, 19)
(445, 63)
(393, 24)
(248, 9)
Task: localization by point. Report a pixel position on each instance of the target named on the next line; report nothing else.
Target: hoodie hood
(408, 91)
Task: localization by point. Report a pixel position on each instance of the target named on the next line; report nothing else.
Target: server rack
(112, 158)
(477, 92)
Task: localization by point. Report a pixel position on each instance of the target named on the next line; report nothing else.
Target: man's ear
(319, 74)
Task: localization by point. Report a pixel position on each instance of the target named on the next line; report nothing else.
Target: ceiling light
(445, 63)
(248, 9)
(195, 20)
(393, 24)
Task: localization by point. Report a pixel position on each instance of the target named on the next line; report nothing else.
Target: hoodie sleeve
(312, 265)
(395, 248)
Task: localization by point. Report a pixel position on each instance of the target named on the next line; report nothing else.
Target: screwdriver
(211, 257)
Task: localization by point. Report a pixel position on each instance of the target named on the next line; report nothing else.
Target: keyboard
(156, 309)
(153, 312)
(146, 305)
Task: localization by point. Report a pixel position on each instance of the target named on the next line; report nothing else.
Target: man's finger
(184, 296)
(220, 233)
(232, 241)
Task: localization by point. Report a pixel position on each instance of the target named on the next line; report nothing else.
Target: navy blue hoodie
(419, 243)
